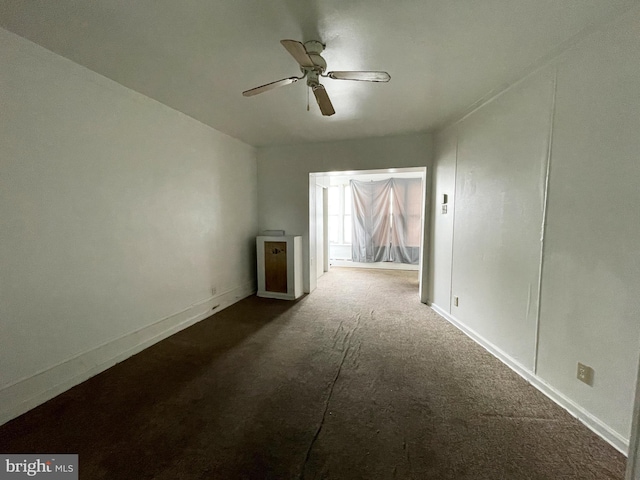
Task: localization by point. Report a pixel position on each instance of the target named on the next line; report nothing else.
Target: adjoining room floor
(356, 381)
(376, 265)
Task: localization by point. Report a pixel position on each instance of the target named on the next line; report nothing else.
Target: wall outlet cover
(585, 374)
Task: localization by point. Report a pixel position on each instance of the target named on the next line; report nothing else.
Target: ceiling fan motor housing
(312, 77)
(314, 48)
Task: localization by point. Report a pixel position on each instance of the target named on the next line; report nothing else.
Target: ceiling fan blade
(297, 51)
(323, 100)
(360, 76)
(270, 86)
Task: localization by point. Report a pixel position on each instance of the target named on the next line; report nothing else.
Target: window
(340, 214)
(348, 226)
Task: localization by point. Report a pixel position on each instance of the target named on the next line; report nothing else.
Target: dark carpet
(356, 381)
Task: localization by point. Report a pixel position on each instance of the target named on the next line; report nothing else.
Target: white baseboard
(25, 394)
(596, 425)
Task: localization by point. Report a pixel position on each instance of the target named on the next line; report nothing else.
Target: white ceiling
(197, 56)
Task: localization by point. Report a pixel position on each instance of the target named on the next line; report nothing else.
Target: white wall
(283, 178)
(441, 233)
(592, 247)
(633, 462)
(494, 163)
(118, 216)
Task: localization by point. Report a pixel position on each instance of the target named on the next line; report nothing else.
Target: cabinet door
(275, 267)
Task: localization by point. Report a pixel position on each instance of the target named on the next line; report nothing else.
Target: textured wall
(116, 212)
(494, 163)
(283, 178)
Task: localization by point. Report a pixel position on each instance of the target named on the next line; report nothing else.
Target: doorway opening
(367, 219)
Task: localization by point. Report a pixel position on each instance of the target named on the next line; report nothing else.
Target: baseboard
(25, 394)
(588, 419)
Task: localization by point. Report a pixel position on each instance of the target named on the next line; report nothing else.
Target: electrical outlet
(585, 374)
(455, 301)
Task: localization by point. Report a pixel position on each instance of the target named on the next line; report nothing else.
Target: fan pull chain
(307, 99)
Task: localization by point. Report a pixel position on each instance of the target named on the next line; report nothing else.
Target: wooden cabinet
(279, 266)
(275, 267)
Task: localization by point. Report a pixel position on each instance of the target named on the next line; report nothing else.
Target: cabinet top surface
(277, 238)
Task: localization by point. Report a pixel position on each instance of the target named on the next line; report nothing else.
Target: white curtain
(371, 214)
(406, 200)
(386, 220)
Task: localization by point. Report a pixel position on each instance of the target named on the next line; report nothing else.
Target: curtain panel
(386, 220)
(370, 213)
(406, 201)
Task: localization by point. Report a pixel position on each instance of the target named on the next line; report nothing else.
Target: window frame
(344, 191)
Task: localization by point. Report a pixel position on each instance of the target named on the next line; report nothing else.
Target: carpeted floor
(355, 381)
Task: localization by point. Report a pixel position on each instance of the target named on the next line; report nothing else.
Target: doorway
(331, 221)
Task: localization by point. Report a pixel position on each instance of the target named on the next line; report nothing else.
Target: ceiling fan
(313, 67)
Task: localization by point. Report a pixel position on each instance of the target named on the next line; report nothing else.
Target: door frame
(323, 179)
